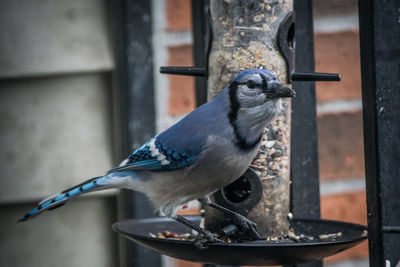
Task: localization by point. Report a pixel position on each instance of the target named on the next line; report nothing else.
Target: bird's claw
(207, 237)
(248, 226)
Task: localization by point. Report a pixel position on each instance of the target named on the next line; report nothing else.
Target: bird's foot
(206, 237)
(247, 226)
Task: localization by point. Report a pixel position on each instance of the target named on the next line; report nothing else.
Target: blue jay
(208, 149)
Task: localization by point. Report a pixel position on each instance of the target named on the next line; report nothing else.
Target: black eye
(251, 84)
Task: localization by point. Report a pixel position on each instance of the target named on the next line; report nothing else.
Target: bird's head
(255, 87)
(255, 98)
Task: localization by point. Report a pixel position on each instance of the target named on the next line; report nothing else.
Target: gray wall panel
(40, 37)
(55, 132)
(78, 234)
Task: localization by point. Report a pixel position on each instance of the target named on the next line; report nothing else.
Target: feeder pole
(380, 72)
(245, 36)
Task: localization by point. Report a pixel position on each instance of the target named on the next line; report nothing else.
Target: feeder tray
(259, 252)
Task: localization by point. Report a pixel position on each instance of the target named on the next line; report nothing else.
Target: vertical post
(133, 109)
(200, 22)
(380, 70)
(304, 160)
(304, 199)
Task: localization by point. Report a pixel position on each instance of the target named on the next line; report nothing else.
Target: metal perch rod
(296, 76)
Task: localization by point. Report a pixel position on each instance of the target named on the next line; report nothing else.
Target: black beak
(280, 91)
(283, 91)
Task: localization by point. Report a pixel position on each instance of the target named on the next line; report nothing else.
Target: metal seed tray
(258, 252)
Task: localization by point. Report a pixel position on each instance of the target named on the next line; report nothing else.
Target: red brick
(338, 53)
(181, 88)
(340, 145)
(334, 7)
(182, 263)
(348, 207)
(179, 15)
(189, 211)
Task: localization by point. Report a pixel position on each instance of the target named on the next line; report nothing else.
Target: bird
(206, 150)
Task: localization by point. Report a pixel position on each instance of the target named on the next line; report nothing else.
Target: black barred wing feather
(155, 156)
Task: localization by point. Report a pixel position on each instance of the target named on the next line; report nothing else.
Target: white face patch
(250, 97)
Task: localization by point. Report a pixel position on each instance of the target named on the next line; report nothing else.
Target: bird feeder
(243, 38)
(243, 35)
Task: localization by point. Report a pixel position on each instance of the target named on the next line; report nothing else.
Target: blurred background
(58, 118)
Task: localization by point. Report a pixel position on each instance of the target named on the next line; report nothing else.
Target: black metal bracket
(287, 45)
(286, 41)
(241, 195)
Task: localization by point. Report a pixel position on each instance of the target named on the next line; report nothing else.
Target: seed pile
(170, 235)
(292, 236)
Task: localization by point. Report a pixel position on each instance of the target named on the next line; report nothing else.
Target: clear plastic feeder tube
(244, 37)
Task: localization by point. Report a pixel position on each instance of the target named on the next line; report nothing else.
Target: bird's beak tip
(284, 91)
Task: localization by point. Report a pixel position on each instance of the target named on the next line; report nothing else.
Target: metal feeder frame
(379, 34)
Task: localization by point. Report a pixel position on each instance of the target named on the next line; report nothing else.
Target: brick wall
(340, 135)
(339, 105)
(172, 39)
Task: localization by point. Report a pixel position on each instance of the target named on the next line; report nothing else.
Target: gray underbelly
(179, 187)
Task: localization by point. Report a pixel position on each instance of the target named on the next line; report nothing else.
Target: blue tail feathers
(61, 198)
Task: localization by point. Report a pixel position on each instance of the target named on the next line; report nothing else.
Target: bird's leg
(207, 234)
(242, 221)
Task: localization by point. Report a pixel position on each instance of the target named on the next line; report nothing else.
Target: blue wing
(156, 156)
(180, 145)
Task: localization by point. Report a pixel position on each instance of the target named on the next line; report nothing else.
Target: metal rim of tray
(258, 252)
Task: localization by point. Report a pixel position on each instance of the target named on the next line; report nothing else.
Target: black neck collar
(239, 141)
